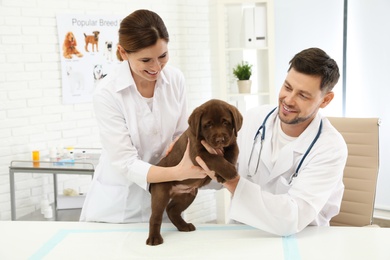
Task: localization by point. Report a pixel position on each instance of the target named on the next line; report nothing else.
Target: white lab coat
(266, 201)
(133, 138)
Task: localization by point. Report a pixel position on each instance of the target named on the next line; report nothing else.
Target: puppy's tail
(85, 35)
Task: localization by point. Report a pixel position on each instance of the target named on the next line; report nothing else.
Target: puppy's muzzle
(219, 140)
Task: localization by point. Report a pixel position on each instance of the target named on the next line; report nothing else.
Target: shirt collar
(125, 79)
(309, 134)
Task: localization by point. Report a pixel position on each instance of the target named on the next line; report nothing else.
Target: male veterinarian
(291, 159)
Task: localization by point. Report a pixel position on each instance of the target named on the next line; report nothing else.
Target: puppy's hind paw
(154, 240)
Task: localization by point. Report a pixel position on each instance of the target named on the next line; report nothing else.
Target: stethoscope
(261, 132)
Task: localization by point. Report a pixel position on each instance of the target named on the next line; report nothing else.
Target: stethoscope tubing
(261, 130)
(262, 127)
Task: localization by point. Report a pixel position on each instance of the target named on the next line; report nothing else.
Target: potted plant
(243, 71)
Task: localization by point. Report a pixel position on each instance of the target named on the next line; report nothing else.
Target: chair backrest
(361, 170)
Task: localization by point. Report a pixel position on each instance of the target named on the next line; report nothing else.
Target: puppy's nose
(219, 140)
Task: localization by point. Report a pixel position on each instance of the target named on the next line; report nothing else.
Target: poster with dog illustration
(87, 45)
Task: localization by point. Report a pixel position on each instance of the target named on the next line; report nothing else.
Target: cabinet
(246, 33)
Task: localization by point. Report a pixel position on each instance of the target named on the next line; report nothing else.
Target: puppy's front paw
(232, 176)
(154, 240)
(221, 179)
(187, 228)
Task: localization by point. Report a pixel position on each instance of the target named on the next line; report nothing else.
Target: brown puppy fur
(69, 46)
(216, 122)
(93, 40)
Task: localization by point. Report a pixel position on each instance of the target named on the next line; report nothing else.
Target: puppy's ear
(194, 121)
(237, 119)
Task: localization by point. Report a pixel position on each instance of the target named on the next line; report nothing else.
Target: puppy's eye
(208, 125)
(226, 123)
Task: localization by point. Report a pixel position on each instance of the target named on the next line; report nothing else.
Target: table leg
(12, 192)
(55, 197)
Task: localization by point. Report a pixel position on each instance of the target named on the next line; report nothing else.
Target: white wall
(31, 111)
(304, 23)
(301, 24)
(368, 77)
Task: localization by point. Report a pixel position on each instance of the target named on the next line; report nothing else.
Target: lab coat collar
(125, 79)
(267, 146)
(297, 148)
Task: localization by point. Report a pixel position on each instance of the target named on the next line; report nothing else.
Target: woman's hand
(204, 166)
(186, 169)
(182, 171)
(169, 149)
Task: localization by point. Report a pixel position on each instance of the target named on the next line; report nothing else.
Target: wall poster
(88, 46)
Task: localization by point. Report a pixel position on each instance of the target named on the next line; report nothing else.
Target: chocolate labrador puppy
(217, 122)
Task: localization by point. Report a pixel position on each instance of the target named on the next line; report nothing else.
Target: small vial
(48, 213)
(84, 155)
(35, 158)
(44, 205)
(60, 151)
(53, 154)
(70, 150)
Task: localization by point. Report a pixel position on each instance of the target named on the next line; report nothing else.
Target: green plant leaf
(242, 71)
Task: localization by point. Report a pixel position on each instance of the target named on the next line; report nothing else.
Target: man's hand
(229, 184)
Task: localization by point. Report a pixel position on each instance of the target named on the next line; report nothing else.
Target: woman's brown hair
(139, 30)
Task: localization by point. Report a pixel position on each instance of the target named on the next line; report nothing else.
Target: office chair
(361, 170)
